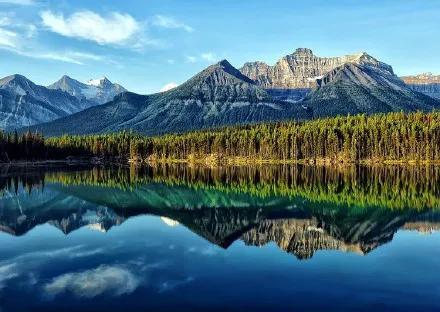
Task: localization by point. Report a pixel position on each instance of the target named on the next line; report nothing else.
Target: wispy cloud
(8, 38)
(203, 57)
(209, 57)
(191, 59)
(168, 87)
(15, 37)
(170, 23)
(19, 2)
(5, 20)
(73, 57)
(114, 280)
(114, 29)
(173, 284)
(8, 272)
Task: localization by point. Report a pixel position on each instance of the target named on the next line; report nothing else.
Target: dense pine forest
(377, 138)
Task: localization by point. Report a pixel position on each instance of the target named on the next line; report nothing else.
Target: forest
(361, 186)
(393, 137)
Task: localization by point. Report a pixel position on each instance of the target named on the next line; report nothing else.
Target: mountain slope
(23, 103)
(219, 95)
(365, 88)
(426, 83)
(98, 91)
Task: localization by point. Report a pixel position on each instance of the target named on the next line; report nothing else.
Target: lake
(188, 238)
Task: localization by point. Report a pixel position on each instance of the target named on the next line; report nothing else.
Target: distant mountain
(426, 83)
(23, 103)
(97, 91)
(367, 87)
(219, 95)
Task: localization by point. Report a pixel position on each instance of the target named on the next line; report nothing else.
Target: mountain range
(23, 103)
(98, 91)
(219, 95)
(426, 83)
(299, 86)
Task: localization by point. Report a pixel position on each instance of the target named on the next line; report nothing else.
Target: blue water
(149, 262)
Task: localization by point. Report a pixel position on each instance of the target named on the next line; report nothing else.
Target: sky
(148, 44)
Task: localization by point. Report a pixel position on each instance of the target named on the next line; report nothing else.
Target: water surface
(176, 237)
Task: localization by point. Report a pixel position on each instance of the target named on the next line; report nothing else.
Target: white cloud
(73, 57)
(18, 2)
(191, 59)
(116, 28)
(5, 21)
(8, 38)
(173, 284)
(171, 23)
(31, 30)
(168, 86)
(7, 272)
(16, 38)
(209, 57)
(205, 57)
(112, 280)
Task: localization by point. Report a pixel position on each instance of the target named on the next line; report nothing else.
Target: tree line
(382, 137)
(355, 186)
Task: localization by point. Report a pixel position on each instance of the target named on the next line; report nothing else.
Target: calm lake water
(181, 238)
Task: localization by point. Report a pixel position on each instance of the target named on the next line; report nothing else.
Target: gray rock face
(23, 103)
(302, 69)
(96, 91)
(289, 95)
(426, 83)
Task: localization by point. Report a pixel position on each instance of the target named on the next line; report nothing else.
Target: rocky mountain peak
(95, 91)
(302, 69)
(16, 79)
(220, 74)
(18, 84)
(303, 52)
(426, 83)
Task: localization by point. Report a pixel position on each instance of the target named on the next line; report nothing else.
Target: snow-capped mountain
(23, 103)
(96, 91)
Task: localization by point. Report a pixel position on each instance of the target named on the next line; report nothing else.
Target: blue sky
(147, 44)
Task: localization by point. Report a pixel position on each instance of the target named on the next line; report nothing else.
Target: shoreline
(209, 161)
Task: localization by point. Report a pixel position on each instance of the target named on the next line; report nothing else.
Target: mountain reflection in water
(302, 209)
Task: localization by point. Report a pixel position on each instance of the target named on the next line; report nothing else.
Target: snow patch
(168, 86)
(96, 82)
(312, 79)
(90, 92)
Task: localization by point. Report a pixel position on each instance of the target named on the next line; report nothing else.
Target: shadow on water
(301, 208)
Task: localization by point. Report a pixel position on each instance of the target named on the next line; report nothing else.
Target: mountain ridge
(217, 96)
(96, 91)
(426, 83)
(362, 88)
(24, 103)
